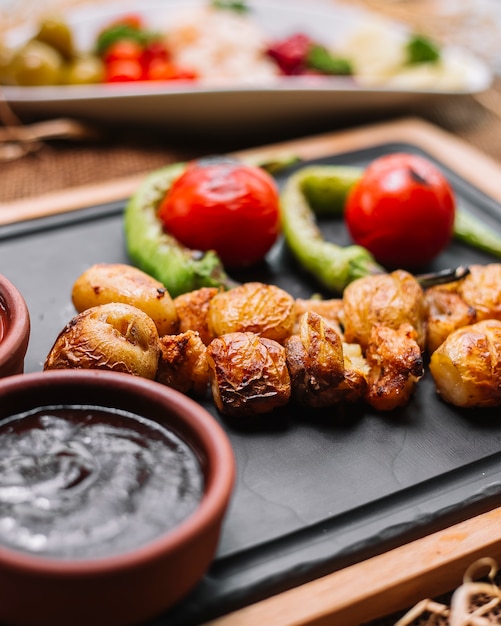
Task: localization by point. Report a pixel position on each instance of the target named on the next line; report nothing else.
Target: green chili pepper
(157, 253)
(326, 187)
(470, 230)
(333, 266)
(321, 190)
(161, 255)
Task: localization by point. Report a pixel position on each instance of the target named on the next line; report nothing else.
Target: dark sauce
(84, 482)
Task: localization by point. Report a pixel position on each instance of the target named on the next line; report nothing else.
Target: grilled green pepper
(310, 191)
(157, 253)
(322, 190)
(333, 266)
(161, 255)
(473, 232)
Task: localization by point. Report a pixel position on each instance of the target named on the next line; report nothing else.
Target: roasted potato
(265, 310)
(481, 289)
(466, 367)
(113, 336)
(330, 309)
(249, 374)
(446, 312)
(395, 366)
(192, 310)
(384, 299)
(183, 363)
(117, 282)
(316, 362)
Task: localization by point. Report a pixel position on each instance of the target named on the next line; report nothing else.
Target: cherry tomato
(224, 206)
(155, 51)
(124, 70)
(159, 69)
(402, 210)
(124, 49)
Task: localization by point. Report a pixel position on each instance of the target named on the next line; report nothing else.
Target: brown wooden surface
(381, 585)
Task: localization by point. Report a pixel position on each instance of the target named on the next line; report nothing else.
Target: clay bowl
(132, 584)
(14, 329)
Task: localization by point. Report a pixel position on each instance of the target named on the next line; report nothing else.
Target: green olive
(55, 32)
(36, 64)
(84, 71)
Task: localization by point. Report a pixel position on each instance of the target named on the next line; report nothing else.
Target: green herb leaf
(420, 49)
(319, 58)
(238, 6)
(118, 32)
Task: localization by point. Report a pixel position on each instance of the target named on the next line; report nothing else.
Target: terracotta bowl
(124, 587)
(14, 329)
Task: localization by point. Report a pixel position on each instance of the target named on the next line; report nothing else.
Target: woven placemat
(61, 164)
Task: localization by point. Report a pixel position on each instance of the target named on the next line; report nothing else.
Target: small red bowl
(14, 329)
(139, 583)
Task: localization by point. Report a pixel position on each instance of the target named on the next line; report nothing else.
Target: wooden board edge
(382, 585)
(474, 166)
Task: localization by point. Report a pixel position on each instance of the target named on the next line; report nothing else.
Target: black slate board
(316, 491)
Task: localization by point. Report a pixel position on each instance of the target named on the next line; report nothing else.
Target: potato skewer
(256, 346)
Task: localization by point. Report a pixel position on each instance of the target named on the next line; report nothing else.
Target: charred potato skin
(266, 310)
(395, 366)
(315, 361)
(104, 283)
(249, 374)
(183, 363)
(113, 336)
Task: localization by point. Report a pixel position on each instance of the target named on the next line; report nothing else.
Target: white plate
(198, 107)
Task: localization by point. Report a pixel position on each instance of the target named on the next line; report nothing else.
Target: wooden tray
(400, 577)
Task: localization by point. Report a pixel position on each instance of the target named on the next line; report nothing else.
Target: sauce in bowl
(80, 482)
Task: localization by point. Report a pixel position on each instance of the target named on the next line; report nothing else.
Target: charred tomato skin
(227, 207)
(402, 210)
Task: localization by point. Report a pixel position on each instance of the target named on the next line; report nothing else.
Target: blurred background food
(97, 151)
(219, 42)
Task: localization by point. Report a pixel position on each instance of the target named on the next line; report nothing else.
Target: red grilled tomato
(402, 210)
(224, 206)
